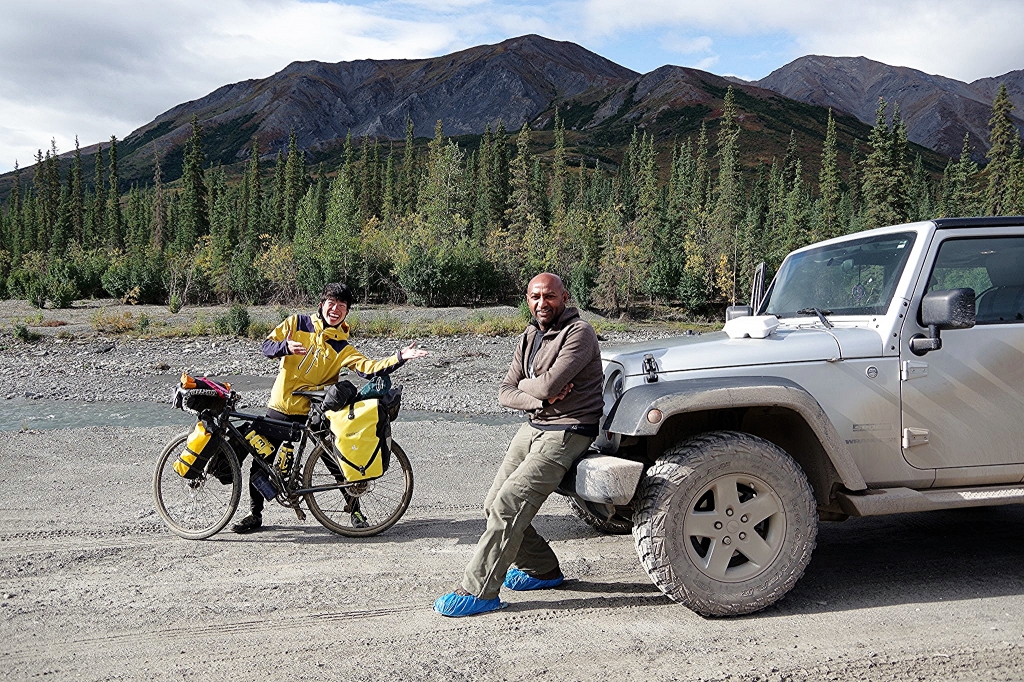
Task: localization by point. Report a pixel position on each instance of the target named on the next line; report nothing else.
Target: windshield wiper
(820, 313)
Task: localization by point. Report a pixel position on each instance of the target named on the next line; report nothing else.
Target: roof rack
(990, 221)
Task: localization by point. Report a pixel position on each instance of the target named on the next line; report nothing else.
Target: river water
(22, 414)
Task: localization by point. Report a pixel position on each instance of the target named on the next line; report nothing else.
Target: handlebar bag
(200, 395)
(362, 439)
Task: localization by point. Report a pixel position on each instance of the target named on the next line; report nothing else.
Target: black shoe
(250, 524)
(359, 521)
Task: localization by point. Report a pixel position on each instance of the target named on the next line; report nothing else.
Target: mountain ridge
(937, 110)
(522, 80)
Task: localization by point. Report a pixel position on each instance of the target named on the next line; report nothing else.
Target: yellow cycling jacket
(327, 353)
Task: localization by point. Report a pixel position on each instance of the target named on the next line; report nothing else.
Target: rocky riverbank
(74, 361)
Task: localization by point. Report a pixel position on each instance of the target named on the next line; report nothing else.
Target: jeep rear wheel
(725, 523)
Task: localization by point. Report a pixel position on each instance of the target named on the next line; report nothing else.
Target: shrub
(235, 322)
(113, 323)
(137, 276)
(258, 329)
(62, 291)
(175, 304)
(199, 327)
(23, 333)
(446, 275)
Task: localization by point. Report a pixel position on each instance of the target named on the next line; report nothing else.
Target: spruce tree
(194, 217)
(278, 198)
(1003, 149)
(250, 201)
(727, 213)
(440, 197)
(409, 174)
(113, 227)
(829, 190)
(963, 198)
(559, 174)
(295, 183)
(500, 185)
(98, 206)
(483, 190)
(38, 227)
(879, 178)
(158, 234)
(76, 196)
(524, 239)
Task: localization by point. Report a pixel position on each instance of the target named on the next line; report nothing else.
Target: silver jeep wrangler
(880, 373)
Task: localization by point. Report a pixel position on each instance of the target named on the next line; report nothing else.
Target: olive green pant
(533, 467)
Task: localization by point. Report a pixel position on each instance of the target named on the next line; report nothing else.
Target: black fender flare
(629, 415)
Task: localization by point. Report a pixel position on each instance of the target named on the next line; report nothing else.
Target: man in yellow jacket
(313, 350)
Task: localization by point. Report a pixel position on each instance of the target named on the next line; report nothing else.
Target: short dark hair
(337, 291)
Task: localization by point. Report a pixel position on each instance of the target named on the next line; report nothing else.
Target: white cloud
(685, 45)
(103, 67)
(963, 39)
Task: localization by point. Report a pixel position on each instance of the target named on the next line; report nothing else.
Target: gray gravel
(94, 587)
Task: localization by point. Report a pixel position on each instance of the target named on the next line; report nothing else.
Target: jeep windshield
(855, 277)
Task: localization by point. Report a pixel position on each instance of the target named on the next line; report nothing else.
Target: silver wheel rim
(734, 528)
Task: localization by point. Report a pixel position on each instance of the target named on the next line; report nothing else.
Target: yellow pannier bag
(361, 440)
(192, 459)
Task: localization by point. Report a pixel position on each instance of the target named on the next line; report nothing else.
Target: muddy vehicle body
(882, 372)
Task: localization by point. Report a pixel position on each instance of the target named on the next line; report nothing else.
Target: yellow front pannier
(361, 446)
(192, 459)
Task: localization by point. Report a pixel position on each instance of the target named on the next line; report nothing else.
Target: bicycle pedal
(301, 514)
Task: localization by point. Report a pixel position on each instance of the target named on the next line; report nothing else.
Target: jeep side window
(854, 277)
(992, 266)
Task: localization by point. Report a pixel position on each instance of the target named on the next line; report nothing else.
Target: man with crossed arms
(555, 377)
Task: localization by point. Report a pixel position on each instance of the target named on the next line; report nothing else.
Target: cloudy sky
(96, 68)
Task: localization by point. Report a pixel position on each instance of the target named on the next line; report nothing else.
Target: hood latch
(650, 368)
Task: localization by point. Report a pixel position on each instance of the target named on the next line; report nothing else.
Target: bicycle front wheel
(197, 508)
(362, 508)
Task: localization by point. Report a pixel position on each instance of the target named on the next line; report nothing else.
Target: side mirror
(734, 311)
(943, 310)
(949, 309)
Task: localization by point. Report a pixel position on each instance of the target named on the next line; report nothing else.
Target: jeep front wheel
(725, 523)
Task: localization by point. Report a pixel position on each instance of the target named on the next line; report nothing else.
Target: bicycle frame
(296, 432)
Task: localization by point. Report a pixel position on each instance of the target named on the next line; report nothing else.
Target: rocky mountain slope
(938, 111)
(512, 81)
(522, 80)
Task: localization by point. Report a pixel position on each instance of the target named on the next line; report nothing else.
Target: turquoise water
(20, 414)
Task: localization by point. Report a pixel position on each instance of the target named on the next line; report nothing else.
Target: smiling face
(546, 297)
(333, 312)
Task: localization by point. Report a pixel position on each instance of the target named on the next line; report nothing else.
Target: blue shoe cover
(458, 605)
(521, 581)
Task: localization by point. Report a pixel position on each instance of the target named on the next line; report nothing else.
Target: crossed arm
(519, 392)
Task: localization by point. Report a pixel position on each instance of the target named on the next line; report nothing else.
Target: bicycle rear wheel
(381, 501)
(196, 509)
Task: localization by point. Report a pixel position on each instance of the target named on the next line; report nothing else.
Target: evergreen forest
(441, 224)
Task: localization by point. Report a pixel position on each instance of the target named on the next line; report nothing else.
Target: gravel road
(94, 587)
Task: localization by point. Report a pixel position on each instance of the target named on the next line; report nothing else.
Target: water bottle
(285, 457)
(260, 444)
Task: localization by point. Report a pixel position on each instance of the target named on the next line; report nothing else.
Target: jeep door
(963, 405)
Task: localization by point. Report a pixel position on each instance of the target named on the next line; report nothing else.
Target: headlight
(612, 389)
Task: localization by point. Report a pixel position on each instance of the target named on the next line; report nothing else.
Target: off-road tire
(694, 486)
(621, 523)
